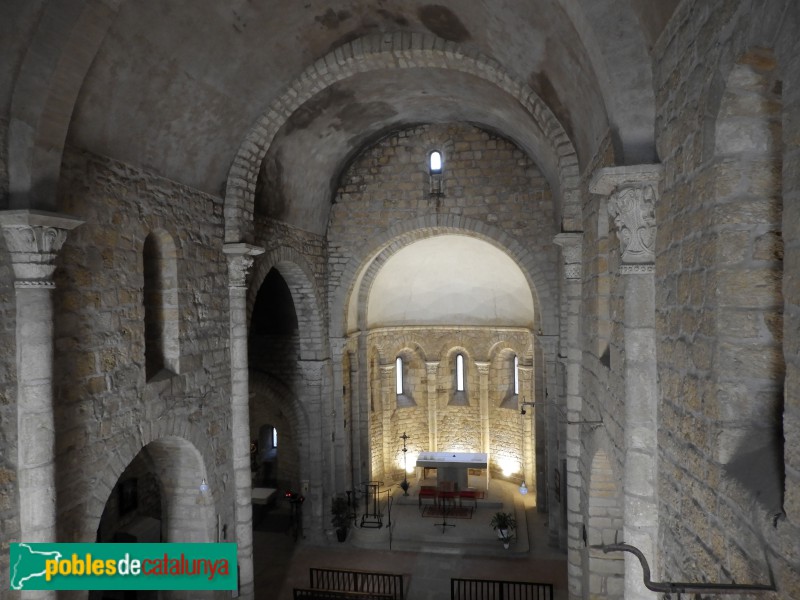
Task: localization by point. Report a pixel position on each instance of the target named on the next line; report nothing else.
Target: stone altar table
(454, 466)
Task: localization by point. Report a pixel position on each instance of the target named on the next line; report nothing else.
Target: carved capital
(632, 194)
(483, 367)
(572, 253)
(432, 368)
(34, 239)
(312, 370)
(240, 259)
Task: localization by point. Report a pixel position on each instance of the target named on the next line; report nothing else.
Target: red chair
(427, 491)
(447, 492)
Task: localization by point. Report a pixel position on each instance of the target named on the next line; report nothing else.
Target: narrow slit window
(398, 373)
(274, 438)
(460, 373)
(435, 162)
(516, 374)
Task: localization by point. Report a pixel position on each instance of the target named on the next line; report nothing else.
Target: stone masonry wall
(485, 178)
(711, 212)
(104, 409)
(9, 497)
(3, 163)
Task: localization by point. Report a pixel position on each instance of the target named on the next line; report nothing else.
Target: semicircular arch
(406, 232)
(394, 51)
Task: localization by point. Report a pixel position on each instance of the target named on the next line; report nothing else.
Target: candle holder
(405, 484)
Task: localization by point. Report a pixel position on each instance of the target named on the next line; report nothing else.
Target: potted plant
(504, 524)
(340, 517)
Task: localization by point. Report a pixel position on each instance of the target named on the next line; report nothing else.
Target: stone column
(483, 405)
(432, 371)
(318, 475)
(33, 239)
(388, 399)
(632, 195)
(549, 345)
(359, 432)
(240, 258)
(365, 410)
(572, 253)
(528, 390)
(342, 458)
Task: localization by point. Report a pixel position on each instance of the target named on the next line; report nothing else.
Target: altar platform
(460, 528)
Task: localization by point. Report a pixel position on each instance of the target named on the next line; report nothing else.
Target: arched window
(460, 373)
(516, 374)
(435, 166)
(435, 162)
(398, 373)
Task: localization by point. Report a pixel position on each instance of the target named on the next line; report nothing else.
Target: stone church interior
(309, 246)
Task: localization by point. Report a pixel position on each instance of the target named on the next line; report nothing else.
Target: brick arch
(263, 385)
(404, 233)
(500, 345)
(299, 276)
(381, 52)
(403, 341)
(180, 462)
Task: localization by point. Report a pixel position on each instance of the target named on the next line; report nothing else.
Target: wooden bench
(378, 584)
(487, 589)
(316, 594)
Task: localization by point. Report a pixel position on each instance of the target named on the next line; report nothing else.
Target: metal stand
(444, 522)
(372, 516)
(404, 485)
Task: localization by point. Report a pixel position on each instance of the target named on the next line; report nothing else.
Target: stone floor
(425, 552)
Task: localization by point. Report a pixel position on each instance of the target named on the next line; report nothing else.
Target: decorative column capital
(240, 259)
(432, 367)
(312, 370)
(632, 194)
(483, 367)
(34, 239)
(572, 253)
(387, 372)
(549, 344)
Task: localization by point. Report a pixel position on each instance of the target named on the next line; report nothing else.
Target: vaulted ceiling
(180, 87)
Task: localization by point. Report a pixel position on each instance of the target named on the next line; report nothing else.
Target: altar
(454, 466)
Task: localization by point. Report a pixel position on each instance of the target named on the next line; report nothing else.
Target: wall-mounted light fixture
(204, 487)
(523, 489)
